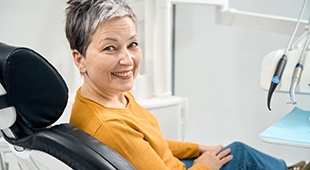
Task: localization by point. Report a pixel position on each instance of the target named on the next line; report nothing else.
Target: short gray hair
(84, 16)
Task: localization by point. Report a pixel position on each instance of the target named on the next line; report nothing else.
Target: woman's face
(113, 56)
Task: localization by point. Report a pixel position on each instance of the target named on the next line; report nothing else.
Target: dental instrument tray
(293, 129)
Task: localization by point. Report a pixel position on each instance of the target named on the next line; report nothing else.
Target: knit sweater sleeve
(183, 150)
(186, 150)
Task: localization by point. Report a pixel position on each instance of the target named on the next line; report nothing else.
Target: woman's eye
(134, 44)
(109, 48)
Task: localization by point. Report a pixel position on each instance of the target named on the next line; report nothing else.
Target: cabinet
(171, 113)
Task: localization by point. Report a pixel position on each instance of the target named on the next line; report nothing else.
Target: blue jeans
(247, 158)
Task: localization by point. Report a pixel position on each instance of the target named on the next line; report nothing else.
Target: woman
(105, 47)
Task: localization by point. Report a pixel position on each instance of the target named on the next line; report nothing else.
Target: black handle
(276, 78)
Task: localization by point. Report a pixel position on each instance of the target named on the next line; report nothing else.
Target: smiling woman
(105, 47)
(111, 63)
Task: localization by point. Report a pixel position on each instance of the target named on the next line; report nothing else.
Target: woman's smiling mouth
(123, 74)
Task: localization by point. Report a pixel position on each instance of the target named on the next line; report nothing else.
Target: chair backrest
(38, 95)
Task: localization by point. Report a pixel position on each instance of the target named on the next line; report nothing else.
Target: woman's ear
(79, 61)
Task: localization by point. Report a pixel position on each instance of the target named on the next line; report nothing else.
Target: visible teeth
(122, 74)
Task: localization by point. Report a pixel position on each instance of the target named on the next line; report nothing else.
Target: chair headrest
(34, 87)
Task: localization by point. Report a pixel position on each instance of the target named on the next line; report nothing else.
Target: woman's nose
(126, 58)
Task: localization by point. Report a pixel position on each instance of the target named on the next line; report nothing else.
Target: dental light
(282, 63)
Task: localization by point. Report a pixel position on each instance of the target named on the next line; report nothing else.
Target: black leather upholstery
(33, 86)
(39, 95)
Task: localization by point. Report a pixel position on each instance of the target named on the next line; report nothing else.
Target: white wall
(39, 25)
(218, 70)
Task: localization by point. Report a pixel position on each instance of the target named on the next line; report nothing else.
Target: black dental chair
(33, 96)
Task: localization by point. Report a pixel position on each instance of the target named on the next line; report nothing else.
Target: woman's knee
(237, 144)
(238, 148)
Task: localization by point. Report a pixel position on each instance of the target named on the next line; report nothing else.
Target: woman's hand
(214, 157)
(204, 148)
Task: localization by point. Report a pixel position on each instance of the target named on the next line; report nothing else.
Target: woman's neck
(107, 99)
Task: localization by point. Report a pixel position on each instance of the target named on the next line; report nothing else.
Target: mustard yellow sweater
(134, 133)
